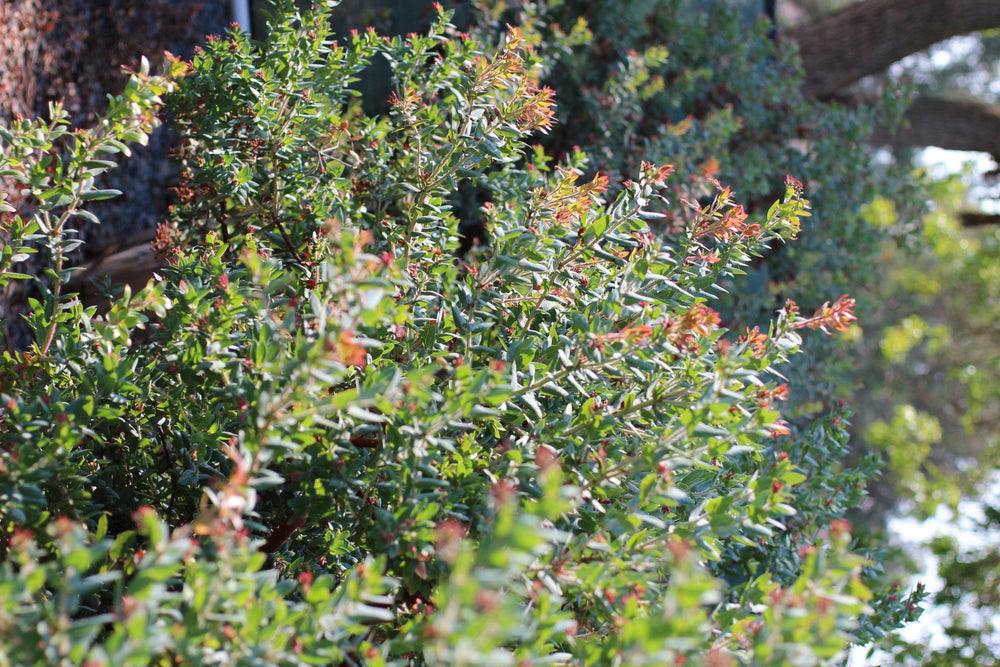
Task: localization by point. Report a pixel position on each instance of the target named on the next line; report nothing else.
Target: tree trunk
(960, 125)
(867, 37)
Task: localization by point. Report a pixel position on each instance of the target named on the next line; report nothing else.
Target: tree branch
(961, 125)
(867, 37)
(133, 262)
(978, 219)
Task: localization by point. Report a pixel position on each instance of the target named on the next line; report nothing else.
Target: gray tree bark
(867, 37)
(961, 125)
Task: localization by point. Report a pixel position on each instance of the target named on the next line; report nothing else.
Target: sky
(965, 527)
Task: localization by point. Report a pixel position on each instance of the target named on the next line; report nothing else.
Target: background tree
(956, 105)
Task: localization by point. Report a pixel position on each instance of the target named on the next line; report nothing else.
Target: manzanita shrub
(320, 435)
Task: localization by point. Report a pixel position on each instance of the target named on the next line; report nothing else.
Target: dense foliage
(690, 83)
(322, 435)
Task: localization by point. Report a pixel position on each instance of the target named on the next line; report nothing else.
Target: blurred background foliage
(928, 393)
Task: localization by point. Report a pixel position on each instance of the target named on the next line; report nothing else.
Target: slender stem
(54, 235)
(573, 253)
(635, 407)
(222, 222)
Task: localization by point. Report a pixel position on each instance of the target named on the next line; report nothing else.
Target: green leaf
(95, 195)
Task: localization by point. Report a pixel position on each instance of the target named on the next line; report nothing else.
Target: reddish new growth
(547, 458)
(503, 492)
(567, 201)
(164, 244)
(840, 532)
(448, 538)
(779, 428)
(538, 109)
(635, 334)
(504, 67)
(656, 174)
(731, 225)
(347, 350)
(699, 320)
(837, 316)
(404, 105)
(697, 257)
(767, 397)
(757, 341)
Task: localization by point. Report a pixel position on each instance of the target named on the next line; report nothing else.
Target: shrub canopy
(320, 435)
